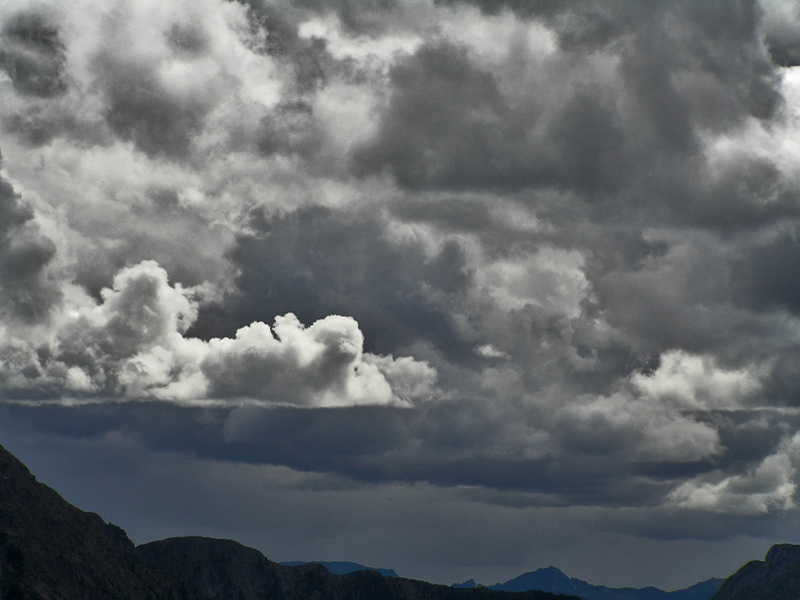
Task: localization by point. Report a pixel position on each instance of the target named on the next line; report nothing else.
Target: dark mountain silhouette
(226, 570)
(776, 578)
(340, 568)
(218, 569)
(554, 580)
(50, 550)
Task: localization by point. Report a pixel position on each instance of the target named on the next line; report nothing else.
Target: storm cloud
(513, 258)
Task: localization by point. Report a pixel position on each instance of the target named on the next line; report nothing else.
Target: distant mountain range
(555, 581)
(50, 550)
(341, 568)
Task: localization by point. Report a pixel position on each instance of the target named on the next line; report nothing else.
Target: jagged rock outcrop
(775, 578)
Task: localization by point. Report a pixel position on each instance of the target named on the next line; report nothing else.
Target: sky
(462, 288)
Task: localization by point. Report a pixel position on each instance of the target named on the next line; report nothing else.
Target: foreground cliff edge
(51, 550)
(775, 578)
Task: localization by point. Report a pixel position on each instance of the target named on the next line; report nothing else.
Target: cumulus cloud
(26, 293)
(695, 382)
(637, 429)
(132, 345)
(769, 486)
(322, 365)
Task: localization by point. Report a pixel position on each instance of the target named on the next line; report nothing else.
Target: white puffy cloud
(696, 382)
(769, 486)
(489, 351)
(408, 378)
(322, 365)
(132, 345)
(652, 417)
(551, 278)
(378, 53)
(638, 429)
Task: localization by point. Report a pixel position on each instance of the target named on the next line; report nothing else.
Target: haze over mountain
(479, 284)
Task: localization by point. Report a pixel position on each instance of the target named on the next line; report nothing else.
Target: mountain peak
(548, 579)
(782, 554)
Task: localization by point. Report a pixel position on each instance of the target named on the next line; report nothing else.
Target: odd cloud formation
(553, 245)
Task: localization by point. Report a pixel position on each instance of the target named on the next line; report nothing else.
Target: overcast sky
(459, 288)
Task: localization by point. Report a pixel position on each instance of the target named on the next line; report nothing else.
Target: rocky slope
(775, 578)
(50, 550)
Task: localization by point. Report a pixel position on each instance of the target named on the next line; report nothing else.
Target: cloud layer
(542, 253)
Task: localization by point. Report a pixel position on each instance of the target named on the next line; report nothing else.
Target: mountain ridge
(52, 550)
(227, 570)
(552, 579)
(339, 567)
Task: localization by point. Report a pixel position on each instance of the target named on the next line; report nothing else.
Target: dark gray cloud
(445, 117)
(683, 71)
(140, 109)
(24, 253)
(766, 272)
(33, 55)
(320, 261)
(290, 129)
(781, 32)
(38, 128)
